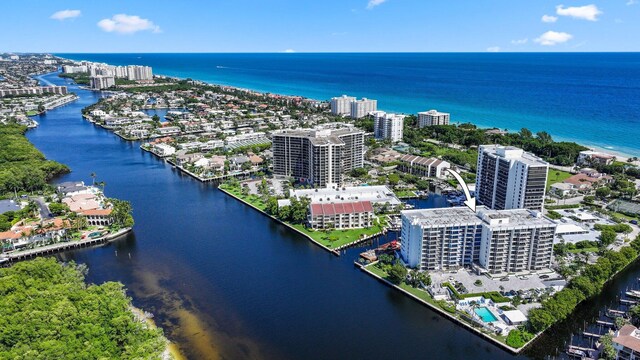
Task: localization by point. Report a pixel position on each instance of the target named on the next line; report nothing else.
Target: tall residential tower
(320, 156)
(510, 178)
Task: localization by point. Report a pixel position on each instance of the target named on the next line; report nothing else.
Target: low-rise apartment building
(342, 215)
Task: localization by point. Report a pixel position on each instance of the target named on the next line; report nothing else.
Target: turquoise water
(485, 314)
(591, 98)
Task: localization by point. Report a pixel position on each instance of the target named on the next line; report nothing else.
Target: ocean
(590, 98)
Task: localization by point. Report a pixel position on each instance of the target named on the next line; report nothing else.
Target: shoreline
(620, 155)
(447, 315)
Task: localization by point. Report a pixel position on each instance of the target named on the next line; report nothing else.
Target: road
(42, 206)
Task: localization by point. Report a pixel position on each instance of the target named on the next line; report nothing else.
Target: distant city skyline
(328, 26)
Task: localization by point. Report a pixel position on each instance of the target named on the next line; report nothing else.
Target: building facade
(100, 82)
(388, 126)
(440, 239)
(318, 156)
(362, 108)
(422, 166)
(509, 178)
(342, 105)
(343, 215)
(505, 241)
(139, 73)
(433, 117)
(515, 241)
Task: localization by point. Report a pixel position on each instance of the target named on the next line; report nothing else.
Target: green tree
(398, 273)
(122, 213)
(607, 237)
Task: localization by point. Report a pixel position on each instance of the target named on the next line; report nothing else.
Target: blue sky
(319, 26)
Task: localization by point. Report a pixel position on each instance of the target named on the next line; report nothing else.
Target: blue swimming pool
(485, 315)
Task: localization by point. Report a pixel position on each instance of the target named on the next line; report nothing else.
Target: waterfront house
(626, 342)
(98, 217)
(71, 188)
(168, 130)
(163, 150)
(183, 159)
(342, 215)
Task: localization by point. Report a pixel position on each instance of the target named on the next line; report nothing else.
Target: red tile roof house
(98, 217)
(343, 215)
(626, 342)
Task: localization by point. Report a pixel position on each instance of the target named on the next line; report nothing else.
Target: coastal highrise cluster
(103, 76)
(506, 235)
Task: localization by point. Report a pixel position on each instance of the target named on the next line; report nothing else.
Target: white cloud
(632, 2)
(65, 14)
(587, 12)
(551, 38)
(519, 41)
(289, 51)
(618, 21)
(374, 3)
(549, 18)
(127, 24)
(493, 49)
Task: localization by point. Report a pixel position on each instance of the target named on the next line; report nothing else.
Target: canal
(226, 282)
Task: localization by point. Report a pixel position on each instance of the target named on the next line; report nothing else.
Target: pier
(60, 247)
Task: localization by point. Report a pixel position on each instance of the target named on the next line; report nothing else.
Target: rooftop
(628, 336)
(374, 194)
(514, 153)
(442, 216)
(340, 208)
(513, 218)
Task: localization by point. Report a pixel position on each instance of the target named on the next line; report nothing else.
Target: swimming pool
(485, 315)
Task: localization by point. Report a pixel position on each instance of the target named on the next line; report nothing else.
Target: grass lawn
(342, 237)
(585, 250)
(423, 295)
(556, 176)
(405, 193)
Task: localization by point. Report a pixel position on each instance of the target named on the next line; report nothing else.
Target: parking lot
(468, 279)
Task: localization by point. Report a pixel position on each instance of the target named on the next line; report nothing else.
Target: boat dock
(60, 247)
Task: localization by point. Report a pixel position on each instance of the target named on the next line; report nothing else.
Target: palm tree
(93, 177)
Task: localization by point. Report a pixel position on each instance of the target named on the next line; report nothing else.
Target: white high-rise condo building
(500, 241)
(432, 117)
(101, 82)
(362, 108)
(320, 156)
(388, 126)
(510, 178)
(136, 72)
(342, 105)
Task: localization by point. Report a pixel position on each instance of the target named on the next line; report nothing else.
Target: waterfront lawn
(337, 238)
(423, 295)
(556, 176)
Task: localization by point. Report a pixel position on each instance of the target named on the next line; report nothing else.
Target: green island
(22, 166)
(47, 311)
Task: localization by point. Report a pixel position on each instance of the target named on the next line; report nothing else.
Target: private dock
(60, 247)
